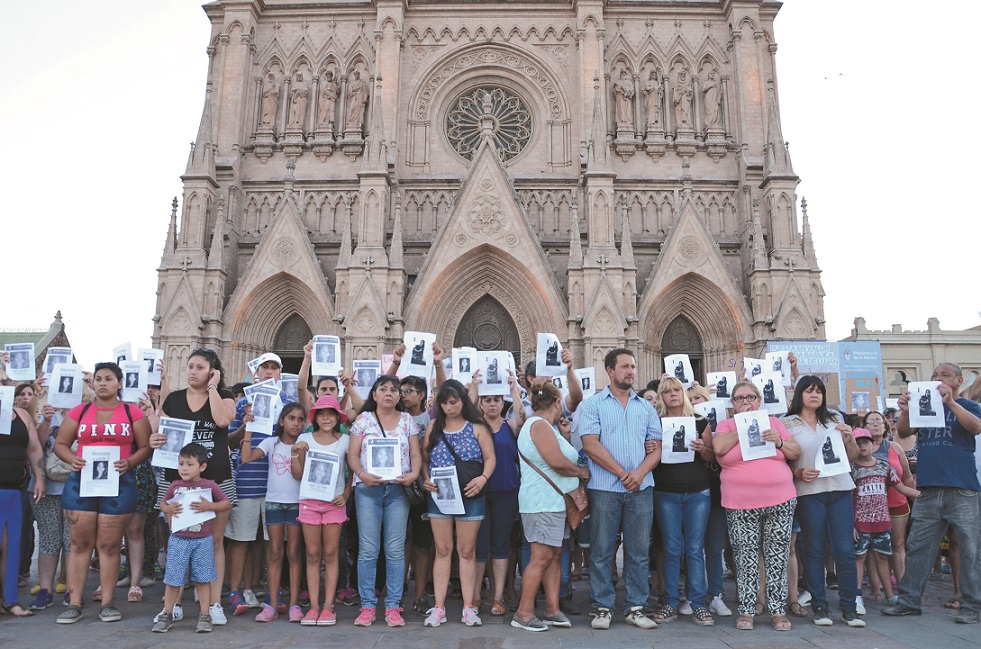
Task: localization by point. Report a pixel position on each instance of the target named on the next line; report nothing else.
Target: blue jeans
(682, 519)
(934, 510)
(608, 510)
(825, 516)
(565, 563)
(382, 508)
(715, 540)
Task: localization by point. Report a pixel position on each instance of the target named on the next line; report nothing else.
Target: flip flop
(17, 610)
(953, 602)
(797, 610)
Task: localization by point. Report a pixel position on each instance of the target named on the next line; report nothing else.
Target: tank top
(13, 455)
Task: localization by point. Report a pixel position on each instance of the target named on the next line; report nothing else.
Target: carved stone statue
(623, 92)
(299, 94)
(357, 97)
(270, 102)
(681, 96)
(713, 98)
(328, 100)
(653, 100)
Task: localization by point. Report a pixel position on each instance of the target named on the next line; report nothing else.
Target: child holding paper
(322, 520)
(282, 508)
(193, 545)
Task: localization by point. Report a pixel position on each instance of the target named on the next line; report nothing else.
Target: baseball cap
(859, 433)
(269, 356)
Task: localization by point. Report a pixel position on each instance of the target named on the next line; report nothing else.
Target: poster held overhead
(926, 406)
(326, 357)
(417, 359)
(66, 385)
(751, 426)
(134, 381)
(54, 357)
(679, 366)
(779, 362)
(774, 396)
(122, 353)
(548, 356)
(720, 384)
(288, 387)
(463, 364)
(152, 358)
(493, 368)
(365, 374)
(714, 411)
(676, 437)
(587, 380)
(21, 364)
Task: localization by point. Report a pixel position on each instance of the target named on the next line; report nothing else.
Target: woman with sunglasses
(759, 498)
(206, 402)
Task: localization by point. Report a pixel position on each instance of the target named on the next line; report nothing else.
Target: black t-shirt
(206, 433)
(685, 478)
(13, 455)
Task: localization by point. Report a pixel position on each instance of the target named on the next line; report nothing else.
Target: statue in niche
(299, 94)
(328, 100)
(681, 96)
(357, 98)
(270, 102)
(653, 100)
(712, 90)
(623, 92)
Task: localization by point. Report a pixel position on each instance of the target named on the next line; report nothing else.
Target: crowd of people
(554, 486)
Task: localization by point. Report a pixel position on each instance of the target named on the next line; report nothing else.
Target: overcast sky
(100, 112)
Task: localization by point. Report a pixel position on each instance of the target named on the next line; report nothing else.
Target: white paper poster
(188, 517)
(326, 357)
(714, 411)
(266, 405)
(180, 433)
(254, 365)
(679, 366)
(464, 359)
(99, 477)
(6, 408)
(774, 396)
(417, 360)
(152, 358)
(320, 474)
(134, 381)
(21, 364)
(365, 374)
(779, 362)
(587, 380)
(831, 457)
(384, 455)
(753, 367)
(448, 496)
(677, 434)
(287, 387)
(548, 356)
(926, 406)
(65, 386)
(56, 356)
(751, 426)
(493, 368)
(123, 353)
(720, 384)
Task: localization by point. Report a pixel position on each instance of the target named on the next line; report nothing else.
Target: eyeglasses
(745, 398)
(874, 422)
(408, 391)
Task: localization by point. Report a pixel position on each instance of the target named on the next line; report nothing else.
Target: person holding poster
(759, 498)
(458, 436)
(681, 503)
(100, 522)
(824, 502)
(947, 478)
(321, 520)
(382, 506)
(326, 385)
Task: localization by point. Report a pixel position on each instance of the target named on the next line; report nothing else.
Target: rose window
(511, 122)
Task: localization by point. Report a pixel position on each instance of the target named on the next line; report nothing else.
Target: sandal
(780, 623)
(797, 610)
(16, 610)
(745, 623)
(953, 602)
(97, 594)
(498, 609)
(135, 594)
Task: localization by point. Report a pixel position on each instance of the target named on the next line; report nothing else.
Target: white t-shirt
(281, 487)
(339, 447)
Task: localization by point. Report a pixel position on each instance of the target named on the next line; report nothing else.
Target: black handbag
(415, 493)
(466, 471)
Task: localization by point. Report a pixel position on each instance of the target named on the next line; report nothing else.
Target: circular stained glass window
(512, 121)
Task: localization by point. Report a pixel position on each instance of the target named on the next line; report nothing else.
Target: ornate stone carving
(270, 103)
(681, 97)
(328, 102)
(181, 322)
(796, 325)
(690, 248)
(712, 89)
(623, 94)
(515, 310)
(357, 98)
(299, 94)
(461, 239)
(283, 252)
(604, 323)
(653, 100)
(512, 122)
(486, 216)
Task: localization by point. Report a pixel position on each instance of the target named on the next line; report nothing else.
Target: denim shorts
(880, 542)
(124, 503)
(473, 510)
(279, 513)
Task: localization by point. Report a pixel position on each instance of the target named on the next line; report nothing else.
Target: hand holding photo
(751, 426)
(67, 386)
(179, 433)
(21, 365)
(326, 357)
(774, 396)
(56, 356)
(720, 385)
(677, 435)
(831, 458)
(714, 411)
(99, 477)
(123, 353)
(448, 496)
(926, 405)
(493, 368)
(463, 364)
(753, 367)
(587, 380)
(679, 366)
(134, 381)
(384, 455)
(418, 357)
(323, 476)
(365, 374)
(153, 358)
(548, 356)
(779, 362)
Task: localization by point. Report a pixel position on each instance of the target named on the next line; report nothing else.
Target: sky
(99, 118)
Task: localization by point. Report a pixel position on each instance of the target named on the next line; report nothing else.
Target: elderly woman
(549, 470)
(759, 498)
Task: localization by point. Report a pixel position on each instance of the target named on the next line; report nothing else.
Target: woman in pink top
(759, 498)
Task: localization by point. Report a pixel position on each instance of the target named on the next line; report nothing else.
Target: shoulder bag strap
(378, 419)
(541, 473)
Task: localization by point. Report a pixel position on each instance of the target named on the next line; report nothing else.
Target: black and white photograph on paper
(750, 427)
(384, 455)
(134, 381)
(180, 433)
(266, 405)
(587, 380)
(366, 372)
(679, 366)
(326, 357)
(926, 405)
(548, 356)
(188, 517)
(779, 362)
(254, 365)
(714, 411)
(99, 477)
(153, 358)
(322, 471)
(448, 497)
(6, 408)
(720, 384)
(55, 356)
(771, 388)
(288, 387)
(677, 434)
(122, 353)
(754, 367)
(493, 368)
(831, 457)
(21, 364)
(861, 402)
(66, 386)
(463, 365)
(417, 360)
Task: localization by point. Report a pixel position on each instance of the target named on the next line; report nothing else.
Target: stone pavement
(934, 630)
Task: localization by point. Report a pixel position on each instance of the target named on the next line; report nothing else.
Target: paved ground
(934, 630)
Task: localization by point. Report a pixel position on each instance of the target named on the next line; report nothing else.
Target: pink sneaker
(267, 614)
(393, 616)
(366, 618)
(327, 618)
(310, 619)
(295, 614)
(436, 616)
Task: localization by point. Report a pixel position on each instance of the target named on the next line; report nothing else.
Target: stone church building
(612, 171)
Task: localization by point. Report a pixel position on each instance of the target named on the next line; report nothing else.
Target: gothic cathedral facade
(610, 171)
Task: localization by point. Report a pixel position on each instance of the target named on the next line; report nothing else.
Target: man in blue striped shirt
(615, 424)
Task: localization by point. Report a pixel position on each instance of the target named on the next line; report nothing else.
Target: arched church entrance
(488, 326)
(681, 337)
(293, 334)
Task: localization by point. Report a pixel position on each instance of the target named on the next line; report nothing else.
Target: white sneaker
(178, 614)
(217, 615)
(250, 599)
(685, 609)
(859, 605)
(718, 607)
(804, 598)
(601, 619)
(636, 617)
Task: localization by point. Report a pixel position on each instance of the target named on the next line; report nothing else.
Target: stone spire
(170, 245)
(344, 256)
(376, 159)
(626, 243)
(599, 159)
(396, 252)
(759, 246)
(776, 152)
(807, 240)
(575, 243)
(201, 160)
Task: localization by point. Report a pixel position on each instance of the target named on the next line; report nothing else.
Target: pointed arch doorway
(290, 339)
(488, 326)
(681, 337)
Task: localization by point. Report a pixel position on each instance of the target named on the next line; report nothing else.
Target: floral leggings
(767, 531)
